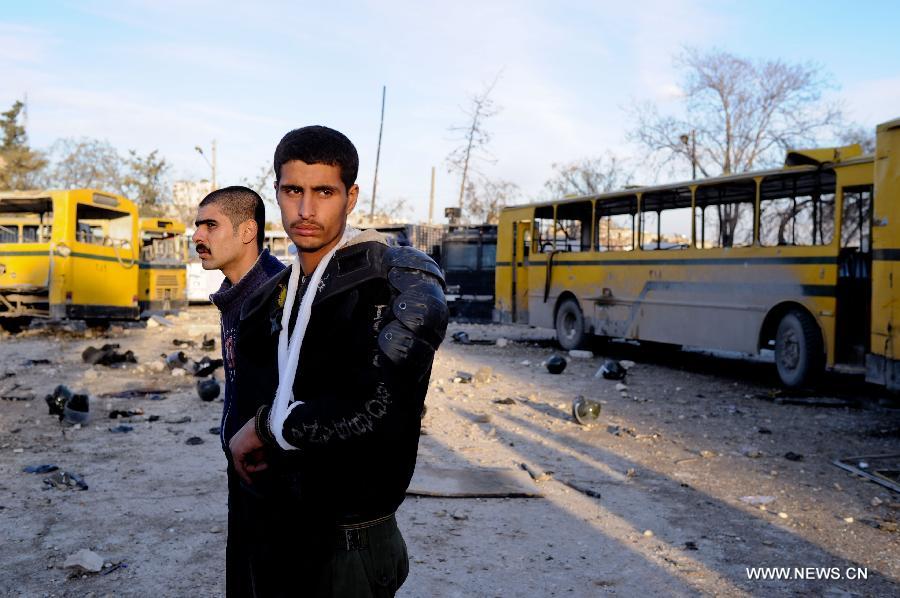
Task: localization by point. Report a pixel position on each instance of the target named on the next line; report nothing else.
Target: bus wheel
(799, 353)
(570, 325)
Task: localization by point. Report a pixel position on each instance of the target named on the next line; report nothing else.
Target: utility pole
(431, 199)
(377, 154)
(212, 164)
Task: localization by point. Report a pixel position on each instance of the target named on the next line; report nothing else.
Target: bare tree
(588, 176)
(145, 181)
(473, 135)
(743, 113)
(262, 182)
(486, 197)
(84, 163)
(865, 137)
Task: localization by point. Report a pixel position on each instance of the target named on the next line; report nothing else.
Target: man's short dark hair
(240, 204)
(319, 145)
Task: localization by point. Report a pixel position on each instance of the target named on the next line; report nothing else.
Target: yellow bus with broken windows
(799, 260)
(162, 282)
(74, 255)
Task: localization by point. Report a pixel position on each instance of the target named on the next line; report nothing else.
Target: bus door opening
(854, 288)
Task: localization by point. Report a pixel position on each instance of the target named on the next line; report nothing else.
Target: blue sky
(168, 75)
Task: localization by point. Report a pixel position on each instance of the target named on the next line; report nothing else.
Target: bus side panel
(26, 266)
(102, 279)
(882, 365)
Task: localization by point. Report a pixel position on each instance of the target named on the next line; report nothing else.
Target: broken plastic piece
(40, 468)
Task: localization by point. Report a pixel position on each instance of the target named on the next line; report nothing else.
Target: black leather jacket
(363, 374)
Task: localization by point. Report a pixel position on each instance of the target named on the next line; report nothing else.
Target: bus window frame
(676, 192)
(608, 208)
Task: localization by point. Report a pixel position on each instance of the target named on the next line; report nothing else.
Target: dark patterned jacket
(364, 368)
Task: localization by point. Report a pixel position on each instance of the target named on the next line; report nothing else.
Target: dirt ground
(646, 501)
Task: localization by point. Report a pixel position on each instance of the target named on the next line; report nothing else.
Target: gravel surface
(646, 500)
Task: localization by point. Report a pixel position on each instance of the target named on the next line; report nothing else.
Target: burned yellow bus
(162, 283)
(799, 260)
(74, 254)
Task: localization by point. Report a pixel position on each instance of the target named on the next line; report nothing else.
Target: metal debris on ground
(16, 392)
(578, 487)
(611, 370)
(555, 364)
(881, 469)
(463, 378)
(77, 409)
(461, 337)
(536, 474)
(205, 367)
(107, 355)
(116, 413)
(31, 362)
(121, 429)
(65, 480)
(208, 390)
(585, 411)
(135, 393)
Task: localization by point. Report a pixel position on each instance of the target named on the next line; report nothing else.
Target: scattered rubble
(555, 364)
(208, 390)
(107, 355)
(47, 468)
(611, 370)
(155, 321)
(585, 411)
(65, 480)
(84, 561)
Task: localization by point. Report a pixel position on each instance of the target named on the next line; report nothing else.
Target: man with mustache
(230, 228)
(334, 358)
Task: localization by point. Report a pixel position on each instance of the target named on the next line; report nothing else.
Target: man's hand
(247, 452)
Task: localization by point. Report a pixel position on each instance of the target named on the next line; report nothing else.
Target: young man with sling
(334, 357)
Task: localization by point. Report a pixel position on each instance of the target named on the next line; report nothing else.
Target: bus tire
(799, 352)
(570, 325)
